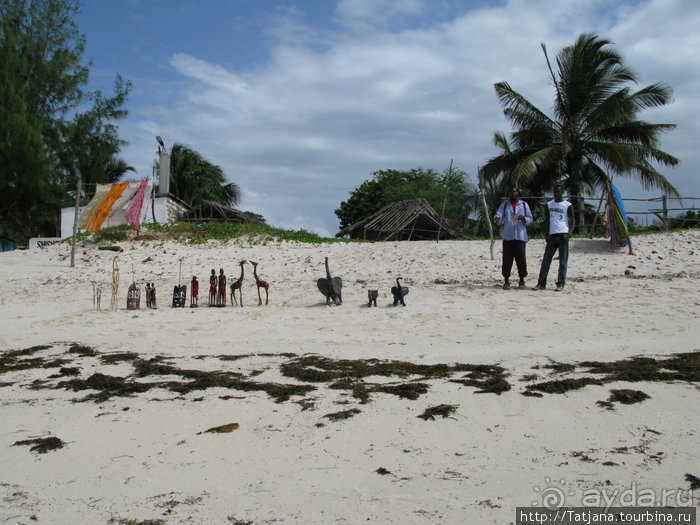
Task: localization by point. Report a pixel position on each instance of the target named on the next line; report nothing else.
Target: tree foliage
(594, 130)
(450, 188)
(52, 131)
(193, 179)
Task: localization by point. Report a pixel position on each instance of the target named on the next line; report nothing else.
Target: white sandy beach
(130, 459)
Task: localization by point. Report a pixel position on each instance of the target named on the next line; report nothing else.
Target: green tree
(52, 131)
(594, 130)
(193, 179)
(387, 186)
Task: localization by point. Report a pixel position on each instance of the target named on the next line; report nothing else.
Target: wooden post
(75, 224)
(665, 207)
(487, 217)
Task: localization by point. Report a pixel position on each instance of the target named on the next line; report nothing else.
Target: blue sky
(299, 102)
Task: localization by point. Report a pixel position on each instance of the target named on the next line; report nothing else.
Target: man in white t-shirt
(559, 224)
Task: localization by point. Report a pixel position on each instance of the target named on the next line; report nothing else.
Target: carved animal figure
(331, 287)
(260, 283)
(372, 297)
(238, 285)
(399, 292)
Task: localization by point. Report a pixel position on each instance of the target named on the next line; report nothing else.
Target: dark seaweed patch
(82, 350)
(106, 386)
(120, 357)
(404, 390)
(624, 396)
(344, 414)
(42, 445)
(487, 378)
(678, 367)
(440, 410)
(561, 386)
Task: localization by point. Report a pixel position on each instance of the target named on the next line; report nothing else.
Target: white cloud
(299, 133)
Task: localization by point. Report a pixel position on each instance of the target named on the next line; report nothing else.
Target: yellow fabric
(95, 221)
(100, 193)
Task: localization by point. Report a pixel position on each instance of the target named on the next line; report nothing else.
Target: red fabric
(133, 214)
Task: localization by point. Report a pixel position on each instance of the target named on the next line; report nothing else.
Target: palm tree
(594, 130)
(115, 167)
(193, 179)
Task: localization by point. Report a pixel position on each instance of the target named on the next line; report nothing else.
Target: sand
(340, 450)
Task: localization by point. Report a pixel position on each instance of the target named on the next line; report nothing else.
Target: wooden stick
(487, 217)
(75, 225)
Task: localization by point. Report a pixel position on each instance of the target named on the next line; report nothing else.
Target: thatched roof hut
(411, 220)
(210, 211)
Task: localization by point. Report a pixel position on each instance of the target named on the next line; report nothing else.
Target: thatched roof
(399, 221)
(210, 211)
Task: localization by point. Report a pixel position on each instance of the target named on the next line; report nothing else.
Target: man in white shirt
(559, 224)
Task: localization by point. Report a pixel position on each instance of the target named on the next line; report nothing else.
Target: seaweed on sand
(106, 386)
(314, 368)
(344, 414)
(487, 378)
(119, 357)
(678, 367)
(624, 396)
(438, 410)
(560, 386)
(82, 350)
(42, 445)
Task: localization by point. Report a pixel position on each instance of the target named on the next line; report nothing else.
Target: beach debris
(382, 471)
(628, 272)
(41, 445)
(439, 410)
(111, 248)
(221, 429)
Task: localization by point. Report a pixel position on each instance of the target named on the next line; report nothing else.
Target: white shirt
(558, 216)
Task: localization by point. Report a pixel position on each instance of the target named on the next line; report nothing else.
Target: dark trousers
(514, 250)
(556, 242)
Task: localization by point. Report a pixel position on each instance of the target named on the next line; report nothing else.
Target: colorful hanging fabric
(125, 197)
(94, 223)
(133, 214)
(619, 233)
(100, 193)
